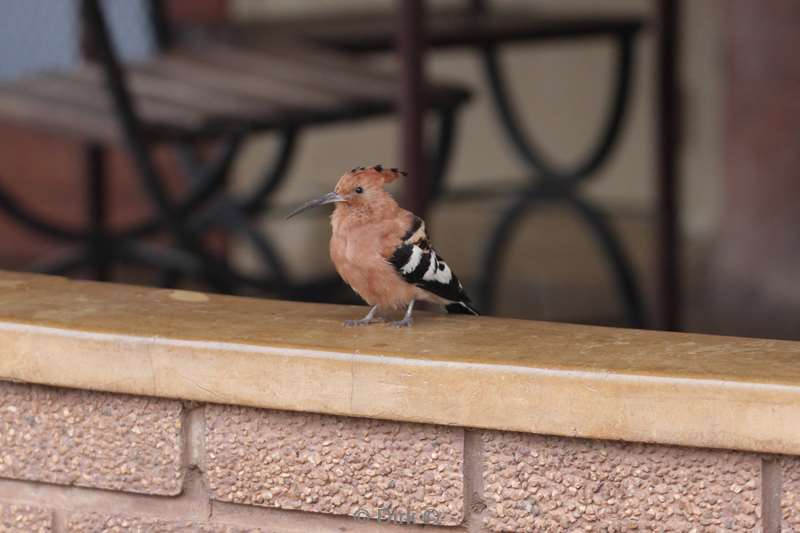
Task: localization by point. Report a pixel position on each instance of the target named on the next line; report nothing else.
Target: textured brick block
(537, 483)
(790, 496)
(90, 439)
(99, 523)
(336, 465)
(24, 519)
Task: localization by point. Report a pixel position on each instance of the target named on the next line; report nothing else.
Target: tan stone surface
(552, 484)
(790, 496)
(100, 523)
(336, 465)
(90, 439)
(591, 382)
(15, 518)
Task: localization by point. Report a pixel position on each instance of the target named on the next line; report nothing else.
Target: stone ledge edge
(601, 405)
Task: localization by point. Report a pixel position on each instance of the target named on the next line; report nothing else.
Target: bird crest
(384, 175)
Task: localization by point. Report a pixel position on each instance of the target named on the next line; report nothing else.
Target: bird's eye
(359, 189)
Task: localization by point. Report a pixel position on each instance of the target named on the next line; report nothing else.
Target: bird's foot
(362, 322)
(405, 323)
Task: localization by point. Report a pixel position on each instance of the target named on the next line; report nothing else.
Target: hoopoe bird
(382, 250)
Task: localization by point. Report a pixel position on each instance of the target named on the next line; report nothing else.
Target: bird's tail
(461, 308)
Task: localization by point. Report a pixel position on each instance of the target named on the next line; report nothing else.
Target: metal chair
(189, 93)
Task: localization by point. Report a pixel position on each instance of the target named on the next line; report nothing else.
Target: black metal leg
(440, 153)
(411, 51)
(668, 146)
(98, 221)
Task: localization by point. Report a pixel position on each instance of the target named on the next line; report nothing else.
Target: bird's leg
(407, 320)
(369, 319)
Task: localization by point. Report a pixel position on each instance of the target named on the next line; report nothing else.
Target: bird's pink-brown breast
(361, 244)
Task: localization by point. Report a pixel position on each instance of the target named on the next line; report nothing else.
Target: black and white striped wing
(421, 265)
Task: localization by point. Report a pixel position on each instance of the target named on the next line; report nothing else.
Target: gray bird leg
(369, 319)
(407, 320)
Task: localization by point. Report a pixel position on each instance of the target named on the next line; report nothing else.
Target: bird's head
(361, 186)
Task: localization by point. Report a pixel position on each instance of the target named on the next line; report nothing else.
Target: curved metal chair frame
(553, 183)
(187, 220)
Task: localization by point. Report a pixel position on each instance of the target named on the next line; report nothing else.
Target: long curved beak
(329, 198)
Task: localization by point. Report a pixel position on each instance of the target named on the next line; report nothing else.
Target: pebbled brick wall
(91, 439)
(338, 465)
(88, 462)
(541, 483)
(25, 518)
(95, 522)
(790, 500)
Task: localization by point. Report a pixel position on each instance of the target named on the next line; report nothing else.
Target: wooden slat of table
(438, 94)
(343, 85)
(198, 92)
(73, 91)
(249, 84)
(52, 116)
(210, 103)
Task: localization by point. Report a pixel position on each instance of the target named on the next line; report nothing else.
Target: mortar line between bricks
(771, 489)
(58, 521)
(186, 436)
(68, 500)
(474, 501)
(193, 420)
(193, 435)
